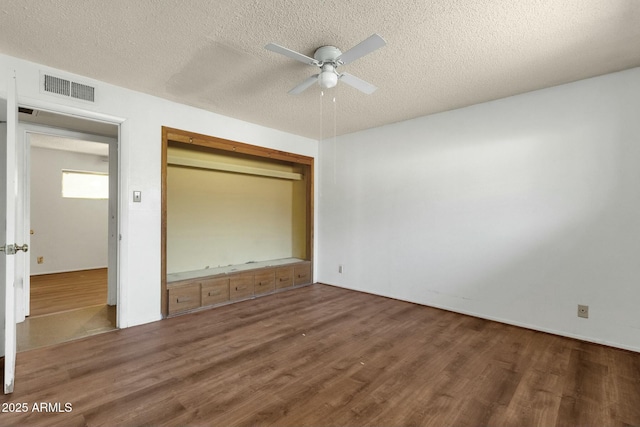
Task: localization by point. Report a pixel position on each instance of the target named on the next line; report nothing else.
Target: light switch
(137, 196)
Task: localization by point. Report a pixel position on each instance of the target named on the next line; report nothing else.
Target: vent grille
(56, 85)
(68, 88)
(81, 91)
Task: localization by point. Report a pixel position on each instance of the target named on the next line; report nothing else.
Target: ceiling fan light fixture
(327, 79)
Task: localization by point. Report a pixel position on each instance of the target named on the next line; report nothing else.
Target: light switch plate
(137, 196)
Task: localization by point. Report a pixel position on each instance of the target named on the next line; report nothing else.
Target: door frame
(120, 200)
(25, 130)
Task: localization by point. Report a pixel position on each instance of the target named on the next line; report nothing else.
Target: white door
(9, 248)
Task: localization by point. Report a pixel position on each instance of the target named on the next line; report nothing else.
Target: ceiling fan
(328, 59)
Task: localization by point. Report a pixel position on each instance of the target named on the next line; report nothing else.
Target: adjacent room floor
(66, 306)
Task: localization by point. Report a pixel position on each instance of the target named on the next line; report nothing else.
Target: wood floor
(53, 293)
(55, 328)
(325, 356)
(64, 307)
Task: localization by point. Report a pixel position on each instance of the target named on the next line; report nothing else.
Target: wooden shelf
(209, 272)
(195, 290)
(229, 167)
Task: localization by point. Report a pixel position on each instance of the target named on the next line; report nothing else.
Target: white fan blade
(359, 84)
(291, 54)
(304, 85)
(361, 49)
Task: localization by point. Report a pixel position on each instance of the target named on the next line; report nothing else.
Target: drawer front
(264, 281)
(184, 298)
(284, 277)
(215, 291)
(241, 286)
(302, 274)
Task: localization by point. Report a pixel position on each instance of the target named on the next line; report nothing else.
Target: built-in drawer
(183, 298)
(215, 291)
(302, 273)
(240, 286)
(264, 281)
(284, 277)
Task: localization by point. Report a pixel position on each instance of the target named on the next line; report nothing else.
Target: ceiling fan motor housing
(326, 54)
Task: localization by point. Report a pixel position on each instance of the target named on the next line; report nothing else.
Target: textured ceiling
(440, 54)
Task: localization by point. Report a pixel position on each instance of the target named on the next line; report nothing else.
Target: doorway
(71, 220)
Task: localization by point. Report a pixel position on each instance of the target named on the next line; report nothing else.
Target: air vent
(58, 86)
(81, 91)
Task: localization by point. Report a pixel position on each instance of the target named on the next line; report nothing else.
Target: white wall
(71, 234)
(516, 210)
(142, 117)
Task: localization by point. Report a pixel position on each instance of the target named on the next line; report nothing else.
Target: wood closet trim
(234, 146)
(183, 136)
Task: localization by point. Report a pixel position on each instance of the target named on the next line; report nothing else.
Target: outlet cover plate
(583, 311)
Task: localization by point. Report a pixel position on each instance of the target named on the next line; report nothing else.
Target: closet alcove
(237, 221)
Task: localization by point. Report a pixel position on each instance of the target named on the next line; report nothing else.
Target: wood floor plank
(53, 293)
(325, 356)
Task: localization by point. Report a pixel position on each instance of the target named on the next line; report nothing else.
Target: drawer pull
(183, 299)
(240, 288)
(215, 293)
(300, 276)
(284, 279)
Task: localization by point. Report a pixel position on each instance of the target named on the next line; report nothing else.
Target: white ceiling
(440, 54)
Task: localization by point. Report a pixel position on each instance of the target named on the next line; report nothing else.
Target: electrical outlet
(340, 269)
(40, 259)
(583, 311)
